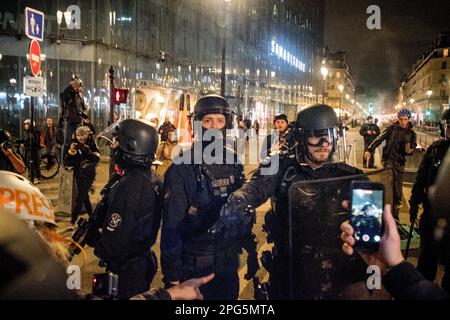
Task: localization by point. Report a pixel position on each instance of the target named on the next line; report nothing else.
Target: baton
(411, 229)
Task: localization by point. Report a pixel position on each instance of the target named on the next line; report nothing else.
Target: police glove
(413, 210)
(252, 265)
(234, 219)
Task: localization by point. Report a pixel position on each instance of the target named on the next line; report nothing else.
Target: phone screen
(366, 216)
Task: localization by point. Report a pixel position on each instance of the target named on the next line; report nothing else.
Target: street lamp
(429, 94)
(324, 72)
(341, 90)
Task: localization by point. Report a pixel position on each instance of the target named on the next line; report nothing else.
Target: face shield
(313, 142)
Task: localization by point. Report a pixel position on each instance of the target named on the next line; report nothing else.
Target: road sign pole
(31, 147)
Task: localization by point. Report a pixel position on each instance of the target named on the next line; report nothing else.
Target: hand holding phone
(366, 214)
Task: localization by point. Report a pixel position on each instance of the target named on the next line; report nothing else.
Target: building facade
(175, 48)
(339, 84)
(426, 89)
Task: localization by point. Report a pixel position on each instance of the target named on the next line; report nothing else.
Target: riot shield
(318, 269)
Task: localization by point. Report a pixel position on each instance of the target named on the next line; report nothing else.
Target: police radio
(105, 285)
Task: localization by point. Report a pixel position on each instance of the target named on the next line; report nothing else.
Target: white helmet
(19, 197)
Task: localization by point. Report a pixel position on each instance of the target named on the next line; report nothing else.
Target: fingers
(388, 219)
(206, 279)
(348, 250)
(347, 228)
(199, 295)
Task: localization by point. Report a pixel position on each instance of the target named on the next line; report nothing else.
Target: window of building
(338, 75)
(444, 65)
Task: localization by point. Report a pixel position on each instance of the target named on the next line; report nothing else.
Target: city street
(89, 263)
(88, 87)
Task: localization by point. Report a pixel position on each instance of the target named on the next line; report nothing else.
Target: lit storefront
(155, 46)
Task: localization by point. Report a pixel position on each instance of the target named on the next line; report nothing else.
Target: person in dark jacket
(73, 110)
(32, 152)
(370, 131)
(196, 186)
(83, 158)
(133, 210)
(316, 128)
(400, 142)
(165, 128)
(280, 123)
(430, 249)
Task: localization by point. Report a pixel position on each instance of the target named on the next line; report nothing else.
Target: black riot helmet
(137, 140)
(316, 120)
(214, 104)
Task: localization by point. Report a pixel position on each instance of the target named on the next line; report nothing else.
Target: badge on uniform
(114, 222)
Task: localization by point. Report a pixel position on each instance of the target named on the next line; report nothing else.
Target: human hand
(389, 253)
(189, 289)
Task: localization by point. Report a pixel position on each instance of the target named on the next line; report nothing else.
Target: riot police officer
(426, 176)
(133, 211)
(316, 137)
(196, 186)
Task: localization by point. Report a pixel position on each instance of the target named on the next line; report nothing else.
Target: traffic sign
(34, 24)
(35, 57)
(33, 86)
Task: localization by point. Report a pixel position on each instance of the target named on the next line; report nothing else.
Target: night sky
(379, 58)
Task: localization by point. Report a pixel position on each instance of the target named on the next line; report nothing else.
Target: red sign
(35, 57)
(120, 95)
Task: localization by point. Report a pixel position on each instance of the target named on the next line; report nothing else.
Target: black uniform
(257, 191)
(426, 176)
(83, 163)
(369, 138)
(194, 195)
(394, 156)
(130, 230)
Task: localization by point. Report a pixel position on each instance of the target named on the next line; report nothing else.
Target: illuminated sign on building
(287, 56)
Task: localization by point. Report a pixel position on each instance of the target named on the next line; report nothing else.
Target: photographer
(9, 160)
(83, 158)
(280, 122)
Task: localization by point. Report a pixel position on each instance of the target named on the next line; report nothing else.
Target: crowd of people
(205, 210)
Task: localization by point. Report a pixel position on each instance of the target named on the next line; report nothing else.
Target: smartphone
(366, 214)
